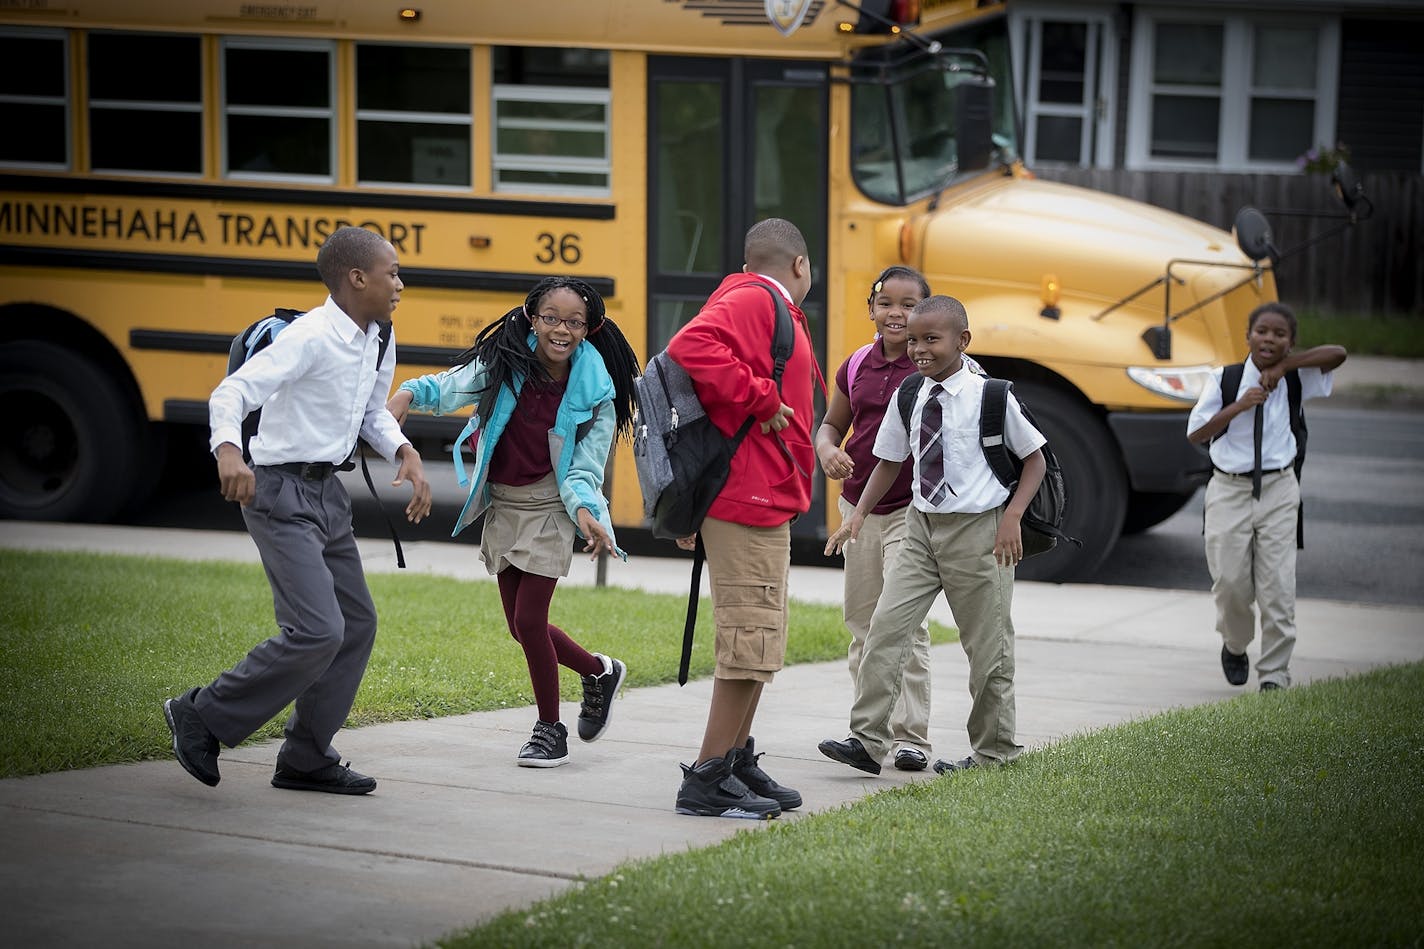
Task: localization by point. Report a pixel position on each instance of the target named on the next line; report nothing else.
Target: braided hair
(503, 348)
(898, 270)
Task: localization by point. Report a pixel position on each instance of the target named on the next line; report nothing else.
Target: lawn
(93, 644)
(1279, 819)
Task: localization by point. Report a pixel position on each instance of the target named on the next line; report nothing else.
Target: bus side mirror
(974, 123)
(1253, 235)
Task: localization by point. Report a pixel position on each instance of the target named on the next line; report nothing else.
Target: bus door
(732, 141)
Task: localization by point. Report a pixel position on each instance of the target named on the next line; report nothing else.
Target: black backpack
(258, 337)
(1231, 384)
(1042, 522)
(683, 459)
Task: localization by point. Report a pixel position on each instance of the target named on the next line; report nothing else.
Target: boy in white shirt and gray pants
(320, 387)
(961, 537)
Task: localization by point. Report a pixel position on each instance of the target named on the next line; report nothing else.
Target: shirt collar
(339, 320)
(775, 283)
(956, 382)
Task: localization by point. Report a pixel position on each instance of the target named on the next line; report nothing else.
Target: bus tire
(1093, 480)
(71, 441)
(1147, 509)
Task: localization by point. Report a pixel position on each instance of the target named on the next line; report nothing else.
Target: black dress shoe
(1270, 686)
(850, 752)
(333, 779)
(952, 767)
(1237, 668)
(911, 759)
(195, 747)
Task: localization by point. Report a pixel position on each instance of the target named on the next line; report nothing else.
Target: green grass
(1285, 819)
(93, 644)
(1401, 337)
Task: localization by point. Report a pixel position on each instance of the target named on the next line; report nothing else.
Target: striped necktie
(933, 487)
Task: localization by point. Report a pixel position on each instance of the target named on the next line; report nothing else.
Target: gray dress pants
(326, 623)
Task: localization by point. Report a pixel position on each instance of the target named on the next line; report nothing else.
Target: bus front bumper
(1156, 452)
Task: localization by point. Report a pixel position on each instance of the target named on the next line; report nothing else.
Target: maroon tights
(526, 598)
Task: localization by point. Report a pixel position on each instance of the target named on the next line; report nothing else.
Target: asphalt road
(1363, 487)
(1364, 505)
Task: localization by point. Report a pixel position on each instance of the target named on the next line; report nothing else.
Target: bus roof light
(409, 14)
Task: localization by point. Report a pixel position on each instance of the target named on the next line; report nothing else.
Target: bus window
(412, 115)
(34, 96)
(145, 103)
(278, 115)
(551, 121)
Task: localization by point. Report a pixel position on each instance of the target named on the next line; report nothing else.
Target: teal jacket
(579, 442)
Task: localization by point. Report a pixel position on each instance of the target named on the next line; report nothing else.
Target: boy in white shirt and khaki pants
(961, 537)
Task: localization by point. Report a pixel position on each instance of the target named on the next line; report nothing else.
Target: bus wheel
(70, 445)
(1149, 508)
(1093, 480)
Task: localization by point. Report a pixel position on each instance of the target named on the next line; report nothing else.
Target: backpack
(1042, 523)
(683, 459)
(1231, 384)
(258, 337)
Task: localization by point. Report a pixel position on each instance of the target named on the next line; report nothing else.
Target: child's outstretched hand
(598, 539)
(844, 535)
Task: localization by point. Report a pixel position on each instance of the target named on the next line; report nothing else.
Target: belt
(1247, 474)
(308, 470)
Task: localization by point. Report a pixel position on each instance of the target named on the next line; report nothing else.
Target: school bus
(180, 164)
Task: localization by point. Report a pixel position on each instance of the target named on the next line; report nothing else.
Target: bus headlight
(1183, 383)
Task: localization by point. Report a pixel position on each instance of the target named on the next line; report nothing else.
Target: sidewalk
(144, 855)
(1379, 382)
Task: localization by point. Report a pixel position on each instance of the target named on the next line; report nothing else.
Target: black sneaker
(850, 752)
(1237, 668)
(758, 781)
(911, 759)
(952, 767)
(548, 747)
(599, 691)
(333, 779)
(710, 789)
(195, 747)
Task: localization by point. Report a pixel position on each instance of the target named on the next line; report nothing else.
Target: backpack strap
(993, 407)
(1298, 429)
(1230, 386)
(905, 397)
(853, 367)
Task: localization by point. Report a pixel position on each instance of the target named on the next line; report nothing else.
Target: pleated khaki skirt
(526, 526)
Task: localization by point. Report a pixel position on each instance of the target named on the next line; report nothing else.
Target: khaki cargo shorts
(748, 569)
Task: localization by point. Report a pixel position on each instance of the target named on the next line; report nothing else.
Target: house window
(145, 103)
(278, 116)
(34, 97)
(413, 115)
(1068, 78)
(551, 121)
(1237, 93)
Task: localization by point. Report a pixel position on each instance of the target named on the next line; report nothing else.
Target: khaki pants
(953, 553)
(748, 569)
(1250, 551)
(868, 563)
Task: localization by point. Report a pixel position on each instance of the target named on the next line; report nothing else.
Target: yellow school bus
(170, 169)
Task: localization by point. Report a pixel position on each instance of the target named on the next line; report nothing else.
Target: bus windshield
(906, 108)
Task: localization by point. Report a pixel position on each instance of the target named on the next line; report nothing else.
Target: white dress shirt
(1233, 451)
(319, 388)
(975, 488)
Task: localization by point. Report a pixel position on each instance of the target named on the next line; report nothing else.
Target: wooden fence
(1375, 267)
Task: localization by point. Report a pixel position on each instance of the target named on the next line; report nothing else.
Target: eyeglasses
(574, 325)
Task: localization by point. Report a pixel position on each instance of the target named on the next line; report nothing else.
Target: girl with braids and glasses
(866, 384)
(552, 386)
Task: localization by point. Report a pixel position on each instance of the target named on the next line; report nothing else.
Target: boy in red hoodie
(726, 349)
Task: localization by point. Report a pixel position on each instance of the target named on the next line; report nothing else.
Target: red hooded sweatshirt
(726, 349)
